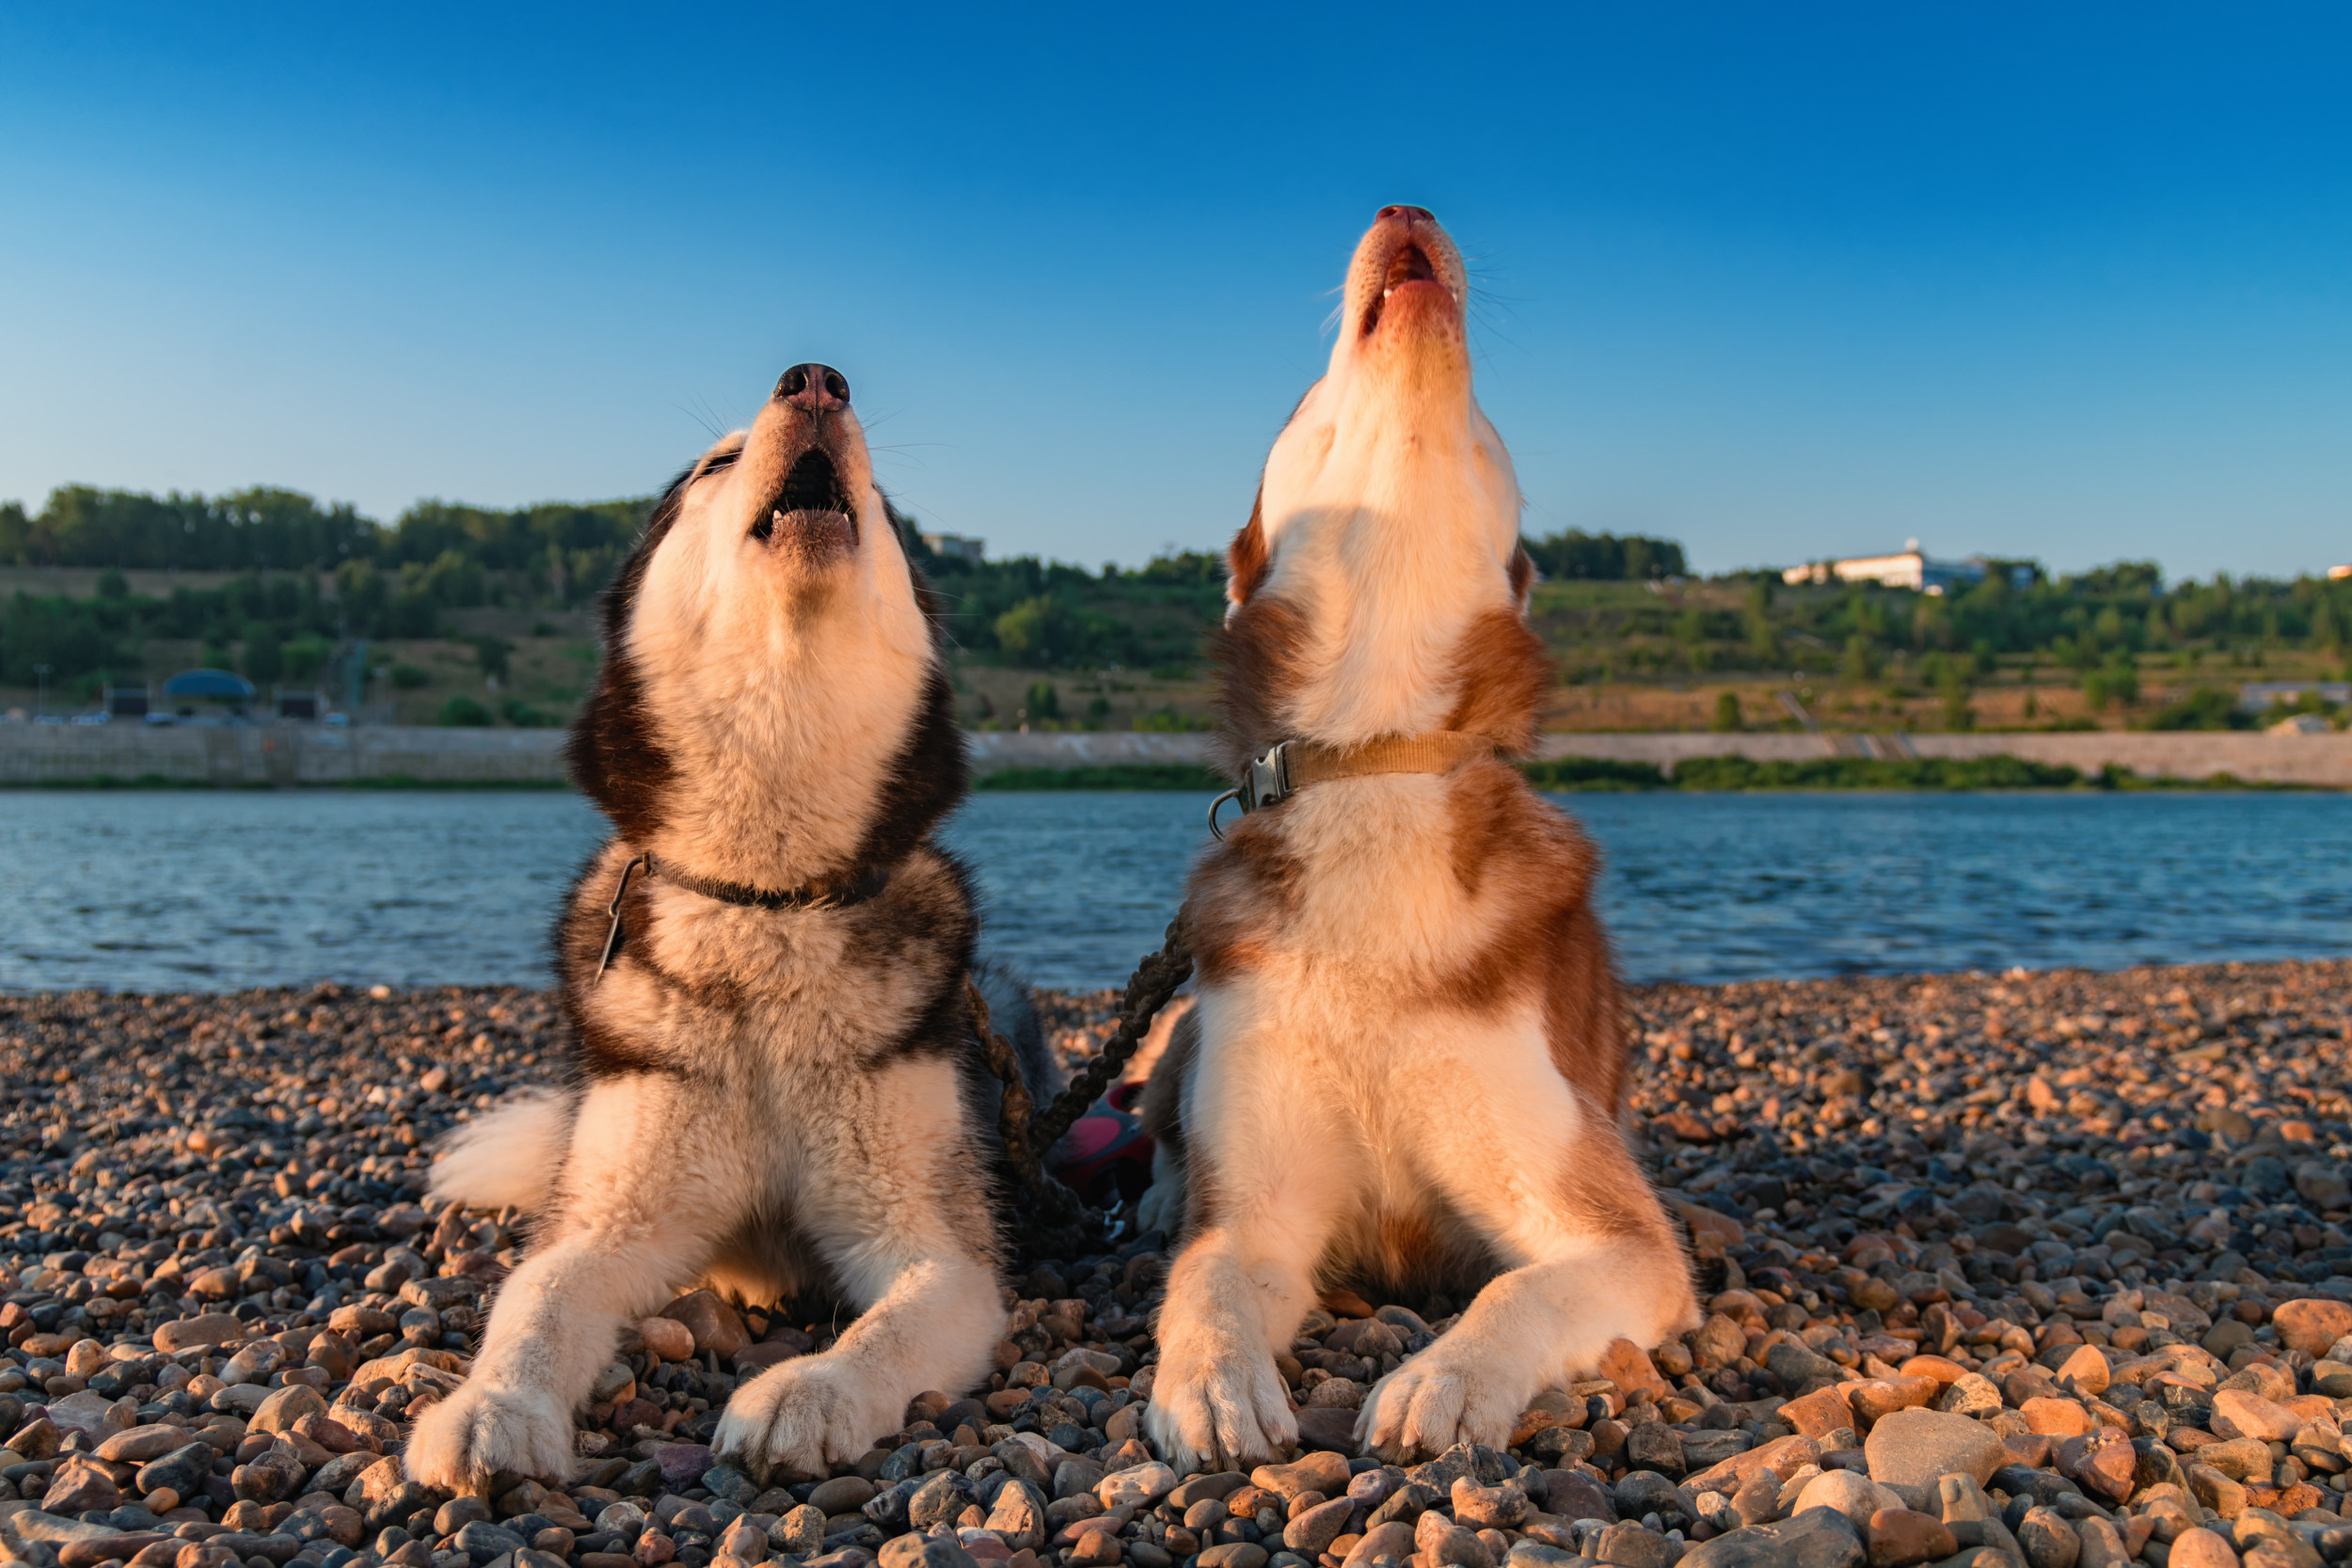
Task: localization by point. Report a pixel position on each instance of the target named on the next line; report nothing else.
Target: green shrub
(1594, 774)
(1999, 772)
(2208, 707)
(489, 653)
(408, 677)
(304, 656)
(1727, 715)
(1116, 775)
(524, 717)
(2116, 681)
(462, 711)
(1040, 701)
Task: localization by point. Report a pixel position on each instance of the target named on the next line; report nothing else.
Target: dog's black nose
(819, 388)
(1414, 214)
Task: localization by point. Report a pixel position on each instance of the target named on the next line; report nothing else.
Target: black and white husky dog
(777, 1088)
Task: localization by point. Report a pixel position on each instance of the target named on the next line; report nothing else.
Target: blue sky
(2067, 281)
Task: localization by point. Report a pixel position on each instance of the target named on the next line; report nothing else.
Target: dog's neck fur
(782, 712)
(1386, 530)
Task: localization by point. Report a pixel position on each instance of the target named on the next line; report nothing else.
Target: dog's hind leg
(1599, 1262)
(1165, 1201)
(641, 1203)
(895, 1205)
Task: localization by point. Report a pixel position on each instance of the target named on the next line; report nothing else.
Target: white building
(2258, 696)
(956, 547)
(1912, 569)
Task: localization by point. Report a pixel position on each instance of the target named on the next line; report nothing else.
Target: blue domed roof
(208, 683)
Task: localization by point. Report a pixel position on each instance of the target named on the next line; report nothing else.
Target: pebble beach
(2027, 1271)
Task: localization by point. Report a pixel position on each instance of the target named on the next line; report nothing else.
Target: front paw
(1219, 1411)
(1439, 1398)
(462, 1441)
(803, 1418)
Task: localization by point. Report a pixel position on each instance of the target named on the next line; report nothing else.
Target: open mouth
(1409, 268)
(811, 505)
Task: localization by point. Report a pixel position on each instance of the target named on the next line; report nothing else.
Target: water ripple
(173, 891)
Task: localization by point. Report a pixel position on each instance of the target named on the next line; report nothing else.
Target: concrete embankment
(260, 755)
(2322, 760)
(292, 754)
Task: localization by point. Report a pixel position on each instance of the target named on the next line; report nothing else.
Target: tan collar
(1292, 765)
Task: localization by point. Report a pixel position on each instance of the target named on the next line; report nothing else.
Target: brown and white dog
(1406, 1065)
(777, 1090)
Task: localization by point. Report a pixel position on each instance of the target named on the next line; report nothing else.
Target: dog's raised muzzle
(815, 388)
(811, 508)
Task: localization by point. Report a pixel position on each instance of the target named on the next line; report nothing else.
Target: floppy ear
(1522, 575)
(1246, 560)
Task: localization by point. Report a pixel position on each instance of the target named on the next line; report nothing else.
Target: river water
(200, 891)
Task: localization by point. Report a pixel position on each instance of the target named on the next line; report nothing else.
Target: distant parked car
(90, 719)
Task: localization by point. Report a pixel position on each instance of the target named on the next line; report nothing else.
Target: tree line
(2077, 621)
(313, 575)
(565, 550)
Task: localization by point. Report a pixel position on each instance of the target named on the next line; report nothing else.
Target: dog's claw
(799, 1418)
(475, 1432)
(1430, 1404)
(1236, 1412)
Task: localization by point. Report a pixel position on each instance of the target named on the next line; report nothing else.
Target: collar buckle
(1269, 782)
(1266, 782)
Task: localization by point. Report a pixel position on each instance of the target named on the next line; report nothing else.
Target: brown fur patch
(1503, 675)
(1242, 889)
(1522, 570)
(1408, 1254)
(1608, 1195)
(1248, 559)
(1262, 653)
(1584, 1013)
(1508, 846)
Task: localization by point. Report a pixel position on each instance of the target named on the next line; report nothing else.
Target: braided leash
(1154, 981)
(1060, 1225)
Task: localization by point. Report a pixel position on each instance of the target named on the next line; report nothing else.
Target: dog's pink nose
(1410, 215)
(819, 388)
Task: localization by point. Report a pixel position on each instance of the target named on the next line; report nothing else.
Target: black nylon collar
(831, 892)
(827, 893)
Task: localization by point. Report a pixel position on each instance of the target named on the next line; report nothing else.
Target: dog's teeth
(1386, 293)
(777, 518)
